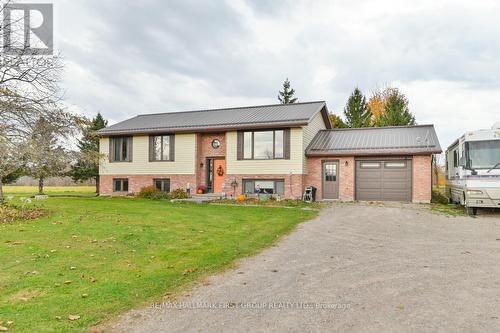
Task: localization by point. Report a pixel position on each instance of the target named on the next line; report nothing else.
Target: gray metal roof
(397, 140)
(297, 114)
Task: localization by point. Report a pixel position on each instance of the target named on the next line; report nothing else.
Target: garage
(384, 180)
(373, 163)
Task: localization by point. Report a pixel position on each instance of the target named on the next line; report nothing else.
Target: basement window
(120, 185)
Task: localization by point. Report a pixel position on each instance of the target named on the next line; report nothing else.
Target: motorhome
(473, 169)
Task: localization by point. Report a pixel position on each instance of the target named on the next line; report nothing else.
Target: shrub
(147, 192)
(439, 198)
(179, 193)
(151, 192)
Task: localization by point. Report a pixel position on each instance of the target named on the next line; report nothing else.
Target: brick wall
(293, 184)
(204, 150)
(136, 182)
(345, 172)
(422, 174)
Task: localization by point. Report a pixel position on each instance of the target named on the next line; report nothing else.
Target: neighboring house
(276, 149)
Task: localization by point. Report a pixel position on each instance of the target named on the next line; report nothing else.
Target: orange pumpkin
(241, 197)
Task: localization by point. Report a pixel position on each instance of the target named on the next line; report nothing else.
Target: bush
(179, 193)
(439, 198)
(147, 192)
(151, 192)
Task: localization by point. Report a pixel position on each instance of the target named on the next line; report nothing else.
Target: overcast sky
(124, 58)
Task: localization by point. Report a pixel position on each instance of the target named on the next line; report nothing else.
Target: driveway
(356, 268)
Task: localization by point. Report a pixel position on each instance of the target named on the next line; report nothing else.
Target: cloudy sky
(124, 58)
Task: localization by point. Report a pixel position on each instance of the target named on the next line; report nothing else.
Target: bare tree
(45, 155)
(28, 92)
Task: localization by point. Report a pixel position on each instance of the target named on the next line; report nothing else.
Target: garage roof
(397, 140)
(261, 116)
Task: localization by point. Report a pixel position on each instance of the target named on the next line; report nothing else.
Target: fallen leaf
(67, 282)
(3, 329)
(92, 279)
(274, 270)
(10, 323)
(85, 295)
(72, 267)
(400, 307)
(73, 317)
(58, 317)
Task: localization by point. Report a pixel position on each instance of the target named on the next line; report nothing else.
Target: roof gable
(296, 114)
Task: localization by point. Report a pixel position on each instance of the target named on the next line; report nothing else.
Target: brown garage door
(385, 180)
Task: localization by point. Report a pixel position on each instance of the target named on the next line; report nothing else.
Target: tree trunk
(40, 185)
(97, 184)
(1, 191)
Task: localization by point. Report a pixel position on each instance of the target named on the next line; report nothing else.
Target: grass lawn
(97, 257)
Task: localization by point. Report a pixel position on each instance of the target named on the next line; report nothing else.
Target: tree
(10, 160)
(376, 103)
(87, 164)
(286, 96)
(45, 156)
(336, 121)
(396, 110)
(356, 111)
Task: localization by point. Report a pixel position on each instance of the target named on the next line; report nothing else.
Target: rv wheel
(472, 210)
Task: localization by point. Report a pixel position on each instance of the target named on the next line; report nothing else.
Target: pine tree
(286, 96)
(396, 110)
(357, 113)
(87, 165)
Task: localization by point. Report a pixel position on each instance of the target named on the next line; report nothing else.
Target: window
(395, 165)
(264, 186)
(330, 172)
(120, 185)
(162, 184)
(370, 165)
(483, 154)
(161, 148)
(120, 149)
(264, 145)
(455, 158)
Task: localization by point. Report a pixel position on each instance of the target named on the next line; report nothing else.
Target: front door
(330, 180)
(216, 174)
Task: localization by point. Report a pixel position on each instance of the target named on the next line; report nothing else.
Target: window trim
(253, 180)
(130, 141)
(162, 179)
(121, 180)
(286, 144)
(171, 147)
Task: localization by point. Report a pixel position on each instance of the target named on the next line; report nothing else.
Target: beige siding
(293, 165)
(316, 124)
(185, 155)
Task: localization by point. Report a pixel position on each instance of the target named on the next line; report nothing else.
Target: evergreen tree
(87, 164)
(357, 113)
(336, 121)
(286, 96)
(396, 110)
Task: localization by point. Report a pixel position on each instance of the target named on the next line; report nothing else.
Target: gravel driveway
(357, 267)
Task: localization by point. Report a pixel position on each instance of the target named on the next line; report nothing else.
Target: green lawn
(120, 253)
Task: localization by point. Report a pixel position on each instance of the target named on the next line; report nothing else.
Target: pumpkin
(241, 197)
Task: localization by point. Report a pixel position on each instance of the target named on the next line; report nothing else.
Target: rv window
(455, 158)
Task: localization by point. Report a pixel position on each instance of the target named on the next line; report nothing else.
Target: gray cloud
(155, 56)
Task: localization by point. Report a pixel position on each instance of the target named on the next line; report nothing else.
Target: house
(276, 149)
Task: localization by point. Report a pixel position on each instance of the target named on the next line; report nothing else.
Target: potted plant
(201, 189)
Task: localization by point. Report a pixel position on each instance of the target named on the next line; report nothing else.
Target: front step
(209, 195)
